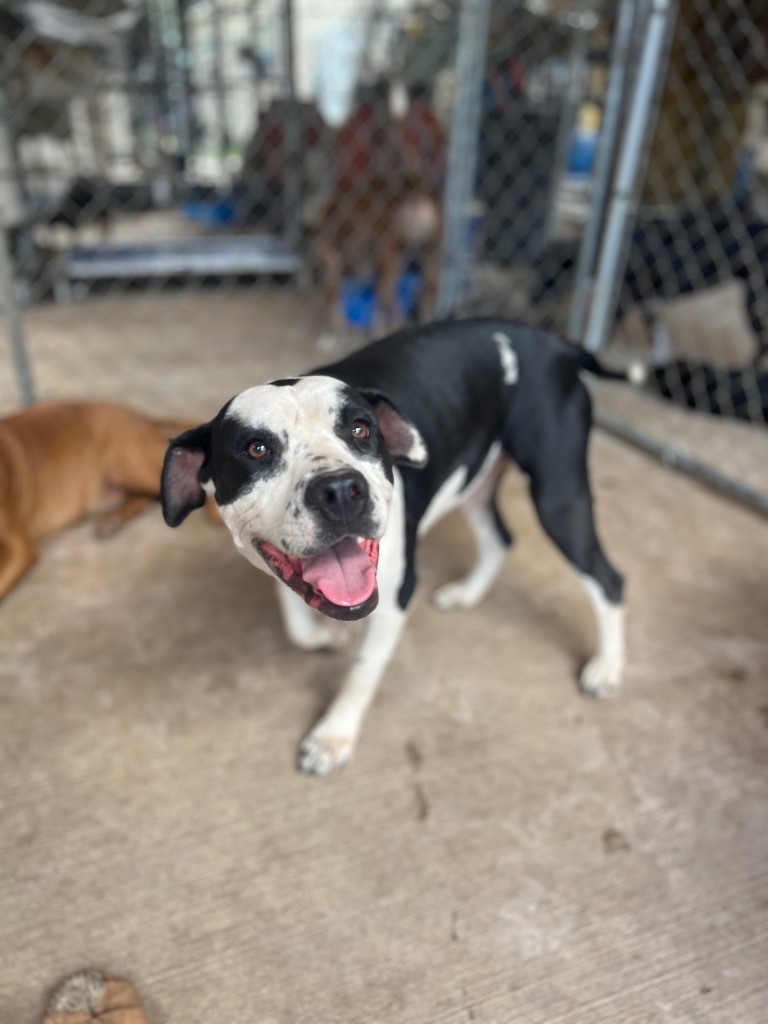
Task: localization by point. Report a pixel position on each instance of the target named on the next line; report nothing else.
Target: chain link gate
(688, 216)
(527, 157)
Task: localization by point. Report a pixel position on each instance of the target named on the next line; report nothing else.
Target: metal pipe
(462, 152)
(219, 79)
(675, 459)
(623, 204)
(577, 72)
(601, 176)
(182, 85)
(292, 137)
(12, 214)
(254, 26)
(13, 319)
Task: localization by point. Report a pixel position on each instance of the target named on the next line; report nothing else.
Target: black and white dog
(327, 481)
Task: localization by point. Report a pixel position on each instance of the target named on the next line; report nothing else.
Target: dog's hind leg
(568, 520)
(17, 556)
(430, 272)
(389, 315)
(559, 480)
(493, 540)
(330, 262)
(602, 674)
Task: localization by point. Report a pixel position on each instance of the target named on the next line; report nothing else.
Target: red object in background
(424, 144)
(374, 146)
(366, 147)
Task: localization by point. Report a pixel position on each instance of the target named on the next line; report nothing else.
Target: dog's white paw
(321, 754)
(454, 596)
(601, 676)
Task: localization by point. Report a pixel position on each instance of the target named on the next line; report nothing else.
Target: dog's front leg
(17, 556)
(330, 744)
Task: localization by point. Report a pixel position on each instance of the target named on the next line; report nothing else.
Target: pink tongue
(344, 573)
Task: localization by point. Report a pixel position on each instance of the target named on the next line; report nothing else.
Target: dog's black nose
(339, 496)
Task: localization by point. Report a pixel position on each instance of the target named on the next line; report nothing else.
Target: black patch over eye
(360, 430)
(257, 450)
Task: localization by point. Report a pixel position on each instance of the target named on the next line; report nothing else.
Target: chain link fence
(590, 166)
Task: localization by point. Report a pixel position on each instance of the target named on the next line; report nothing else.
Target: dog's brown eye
(257, 450)
(360, 430)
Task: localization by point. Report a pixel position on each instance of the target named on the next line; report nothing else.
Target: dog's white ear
(403, 440)
(180, 488)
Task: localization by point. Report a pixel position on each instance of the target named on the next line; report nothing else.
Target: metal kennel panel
(151, 121)
(581, 164)
(673, 273)
(157, 142)
(627, 209)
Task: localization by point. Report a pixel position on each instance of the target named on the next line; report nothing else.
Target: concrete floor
(501, 850)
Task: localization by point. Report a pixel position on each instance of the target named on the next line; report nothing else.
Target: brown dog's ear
(180, 489)
(403, 440)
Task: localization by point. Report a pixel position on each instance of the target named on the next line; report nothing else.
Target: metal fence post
(462, 152)
(577, 75)
(623, 202)
(292, 138)
(219, 80)
(10, 214)
(604, 162)
(13, 319)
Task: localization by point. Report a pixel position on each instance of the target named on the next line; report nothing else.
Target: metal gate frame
(638, 60)
(638, 63)
(642, 38)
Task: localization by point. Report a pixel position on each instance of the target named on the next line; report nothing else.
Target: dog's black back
(447, 379)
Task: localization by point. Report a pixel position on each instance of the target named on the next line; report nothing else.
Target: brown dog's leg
(389, 316)
(430, 270)
(110, 522)
(133, 473)
(17, 556)
(330, 262)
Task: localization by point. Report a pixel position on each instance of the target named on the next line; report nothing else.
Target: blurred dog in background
(380, 207)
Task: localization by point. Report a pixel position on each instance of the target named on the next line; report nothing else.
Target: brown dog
(380, 201)
(370, 232)
(64, 461)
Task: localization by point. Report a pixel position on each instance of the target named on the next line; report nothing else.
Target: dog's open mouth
(339, 582)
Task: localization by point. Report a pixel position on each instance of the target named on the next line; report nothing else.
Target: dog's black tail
(635, 373)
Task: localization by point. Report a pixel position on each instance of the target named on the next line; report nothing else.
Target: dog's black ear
(180, 489)
(403, 440)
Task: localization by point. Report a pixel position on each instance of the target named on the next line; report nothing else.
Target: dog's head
(301, 471)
